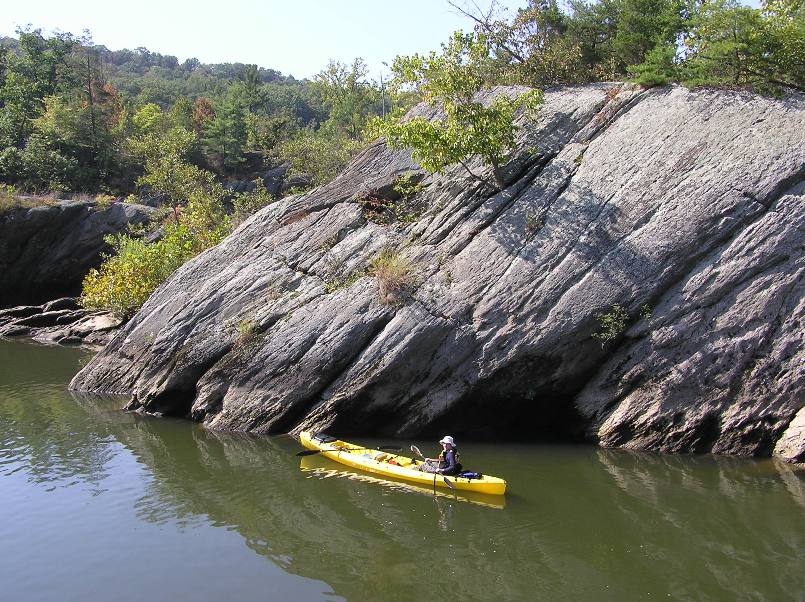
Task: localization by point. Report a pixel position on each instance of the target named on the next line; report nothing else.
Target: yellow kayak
(391, 465)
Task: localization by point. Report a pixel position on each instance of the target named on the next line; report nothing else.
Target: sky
(296, 37)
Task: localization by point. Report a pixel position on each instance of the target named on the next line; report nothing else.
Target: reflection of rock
(708, 507)
(45, 252)
(61, 321)
(688, 201)
(370, 547)
(794, 477)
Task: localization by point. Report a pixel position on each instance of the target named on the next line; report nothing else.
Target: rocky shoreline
(60, 322)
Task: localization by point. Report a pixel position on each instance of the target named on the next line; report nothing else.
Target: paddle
(447, 481)
(415, 449)
(310, 452)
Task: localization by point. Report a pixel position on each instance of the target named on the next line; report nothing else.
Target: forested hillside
(77, 117)
(71, 111)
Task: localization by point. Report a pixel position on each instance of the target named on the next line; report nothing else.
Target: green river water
(98, 504)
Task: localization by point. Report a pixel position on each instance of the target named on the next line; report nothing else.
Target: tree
(784, 42)
(348, 96)
(167, 171)
(450, 81)
(203, 111)
(642, 25)
(38, 70)
(533, 47)
(252, 88)
(594, 26)
(734, 45)
(126, 280)
(660, 67)
(225, 135)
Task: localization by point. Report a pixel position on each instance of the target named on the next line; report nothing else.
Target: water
(97, 504)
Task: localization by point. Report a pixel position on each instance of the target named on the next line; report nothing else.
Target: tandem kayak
(399, 467)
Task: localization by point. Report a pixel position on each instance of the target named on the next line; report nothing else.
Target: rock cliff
(46, 251)
(679, 214)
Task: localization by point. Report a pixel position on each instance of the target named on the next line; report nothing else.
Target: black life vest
(443, 461)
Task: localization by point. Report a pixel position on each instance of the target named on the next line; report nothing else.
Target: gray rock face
(45, 252)
(688, 203)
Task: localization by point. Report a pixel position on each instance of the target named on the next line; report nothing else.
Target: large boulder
(46, 251)
(676, 214)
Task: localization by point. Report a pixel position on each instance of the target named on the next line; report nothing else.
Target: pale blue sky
(296, 37)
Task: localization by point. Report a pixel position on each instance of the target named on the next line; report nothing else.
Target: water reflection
(322, 467)
(579, 523)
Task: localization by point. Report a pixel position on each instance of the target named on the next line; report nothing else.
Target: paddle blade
(449, 483)
(415, 449)
(308, 452)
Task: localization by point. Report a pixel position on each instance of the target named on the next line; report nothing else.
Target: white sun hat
(448, 439)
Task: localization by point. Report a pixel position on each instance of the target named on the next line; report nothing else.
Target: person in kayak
(447, 463)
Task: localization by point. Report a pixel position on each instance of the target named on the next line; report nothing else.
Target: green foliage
(659, 68)
(126, 280)
(408, 185)
(248, 203)
(71, 111)
(148, 119)
(8, 198)
(341, 282)
(645, 312)
(348, 96)
(533, 48)
(316, 154)
(225, 135)
(644, 24)
(103, 201)
(247, 330)
(611, 324)
(450, 81)
(264, 133)
(734, 45)
(395, 276)
(177, 182)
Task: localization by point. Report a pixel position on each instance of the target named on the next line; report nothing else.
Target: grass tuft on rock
(395, 276)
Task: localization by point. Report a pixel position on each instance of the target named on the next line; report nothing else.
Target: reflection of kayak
(325, 468)
(398, 467)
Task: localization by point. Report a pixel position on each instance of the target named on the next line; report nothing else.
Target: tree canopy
(451, 82)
